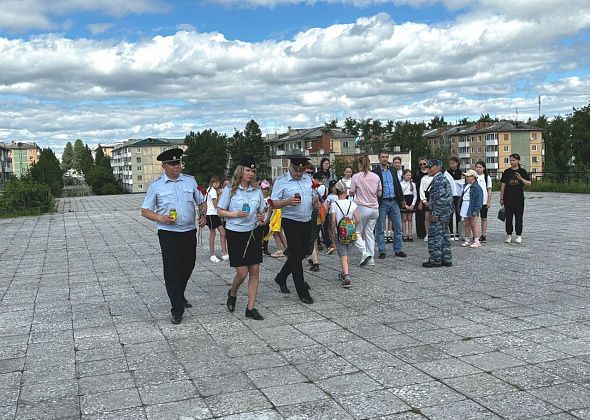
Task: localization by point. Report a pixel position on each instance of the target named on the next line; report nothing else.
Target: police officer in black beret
(170, 201)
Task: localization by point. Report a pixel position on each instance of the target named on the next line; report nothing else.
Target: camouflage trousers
(439, 243)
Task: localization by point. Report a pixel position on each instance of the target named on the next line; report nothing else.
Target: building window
(505, 136)
(533, 136)
(507, 161)
(139, 178)
(534, 147)
(139, 168)
(138, 150)
(534, 170)
(345, 144)
(140, 187)
(535, 159)
(479, 150)
(507, 148)
(473, 161)
(138, 160)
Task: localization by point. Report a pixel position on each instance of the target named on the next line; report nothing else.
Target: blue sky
(106, 71)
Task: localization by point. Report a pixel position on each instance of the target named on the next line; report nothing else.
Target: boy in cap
(292, 193)
(167, 203)
(441, 208)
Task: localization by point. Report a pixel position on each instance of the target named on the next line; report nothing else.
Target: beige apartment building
(134, 161)
(21, 156)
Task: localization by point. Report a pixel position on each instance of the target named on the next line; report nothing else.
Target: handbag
(502, 214)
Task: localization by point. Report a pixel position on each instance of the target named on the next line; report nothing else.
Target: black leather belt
(388, 198)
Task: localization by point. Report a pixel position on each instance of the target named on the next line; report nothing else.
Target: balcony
(492, 142)
(491, 165)
(463, 144)
(491, 154)
(464, 155)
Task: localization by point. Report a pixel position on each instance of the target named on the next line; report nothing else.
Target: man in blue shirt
(389, 205)
(292, 193)
(170, 201)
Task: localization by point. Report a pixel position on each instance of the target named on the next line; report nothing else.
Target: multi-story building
(107, 149)
(315, 143)
(439, 139)
(22, 156)
(493, 142)
(134, 161)
(5, 164)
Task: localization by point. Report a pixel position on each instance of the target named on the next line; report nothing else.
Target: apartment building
(134, 161)
(494, 142)
(107, 149)
(316, 143)
(5, 164)
(22, 156)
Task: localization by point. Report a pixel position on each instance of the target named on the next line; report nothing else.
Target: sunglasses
(422, 164)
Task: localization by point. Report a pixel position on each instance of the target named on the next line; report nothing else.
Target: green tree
(206, 155)
(102, 181)
(464, 121)
(47, 171)
(558, 145)
(87, 161)
(78, 155)
(408, 136)
(67, 157)
(331, 124)
(580, 123)
(249, 142)
(437, 122)
(24, 195)
(100, 158)
(339, 165)
(351, 126)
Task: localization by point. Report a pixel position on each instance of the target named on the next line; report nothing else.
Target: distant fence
(563, 178)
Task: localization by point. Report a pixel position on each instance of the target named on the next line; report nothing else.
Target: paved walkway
(85, 331)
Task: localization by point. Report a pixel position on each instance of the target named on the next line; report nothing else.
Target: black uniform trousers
(420, 228)
(179, 256)
(297, 234)
(514, 210)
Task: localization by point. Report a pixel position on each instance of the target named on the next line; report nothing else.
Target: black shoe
(176, 319)
(482, 238)
(187, 304)
(447, 264)
(310, 261)
(382, 255)
(401, 254)
(431, 264)
(265, 252)
(231, 301)
(282, 285)
(254, 314)
(306, 299)
(314, 267)
(286, 252)
(306, 284)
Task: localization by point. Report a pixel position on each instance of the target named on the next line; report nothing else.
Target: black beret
(170, 155)
(298, 160)
(247, 161)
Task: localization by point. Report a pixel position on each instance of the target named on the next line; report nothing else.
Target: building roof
(149, 142)
(20, 145)
(435, 132)
(310, 133)
(509, 126)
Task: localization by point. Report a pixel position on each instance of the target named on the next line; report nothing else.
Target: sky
(105, 71)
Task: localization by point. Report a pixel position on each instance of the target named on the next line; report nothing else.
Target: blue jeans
(391, 209)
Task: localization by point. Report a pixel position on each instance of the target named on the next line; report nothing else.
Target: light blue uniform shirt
(164, 194)
(286, 186)
(253, 197)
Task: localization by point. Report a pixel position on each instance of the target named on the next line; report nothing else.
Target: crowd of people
(307, 211)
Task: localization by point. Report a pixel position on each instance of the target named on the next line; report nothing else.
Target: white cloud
(21, 15)
(166, 86)
(98, 28)
(185, 27)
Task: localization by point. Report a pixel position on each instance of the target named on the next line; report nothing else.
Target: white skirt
(464, 209)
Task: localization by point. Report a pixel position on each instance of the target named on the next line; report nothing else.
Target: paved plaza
(85, 327)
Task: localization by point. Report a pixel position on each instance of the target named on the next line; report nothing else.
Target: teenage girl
(410, 198)
(485, 182)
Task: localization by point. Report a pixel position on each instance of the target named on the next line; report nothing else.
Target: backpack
(346, 228)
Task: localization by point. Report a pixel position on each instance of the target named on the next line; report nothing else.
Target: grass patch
(21, 213)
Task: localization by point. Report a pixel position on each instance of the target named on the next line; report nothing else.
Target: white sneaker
(518, 239)
(214, 259)
(453, 238)
(466, 243)
(426, 238)
(508, 240)
(225, 257)
(475, 245)
(365, 258)
(371, 261)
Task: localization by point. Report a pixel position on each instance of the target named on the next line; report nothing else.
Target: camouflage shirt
(441, 197)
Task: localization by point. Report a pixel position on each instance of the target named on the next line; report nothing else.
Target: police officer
(441, 208)
(170, 201)
(292, 193)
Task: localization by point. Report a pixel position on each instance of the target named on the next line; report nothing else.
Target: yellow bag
(274, 224)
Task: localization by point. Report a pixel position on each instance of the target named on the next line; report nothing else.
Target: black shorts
(213, 221)
(483, 212)
(250, 242)
(408, 199)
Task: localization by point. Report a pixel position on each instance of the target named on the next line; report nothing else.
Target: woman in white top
(410, 198)
(485, 182)
(214, 222)
(366, 188)
(424, 195)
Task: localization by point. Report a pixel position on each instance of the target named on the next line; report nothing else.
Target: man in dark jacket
(389, 205)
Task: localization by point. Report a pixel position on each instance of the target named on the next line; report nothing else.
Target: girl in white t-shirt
(410, 198)
(214, 222)
(485, 182)
(338, 209)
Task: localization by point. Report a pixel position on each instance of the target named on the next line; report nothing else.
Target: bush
(24, 196)
(102, 181)
(564, 187)
(109, 189)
